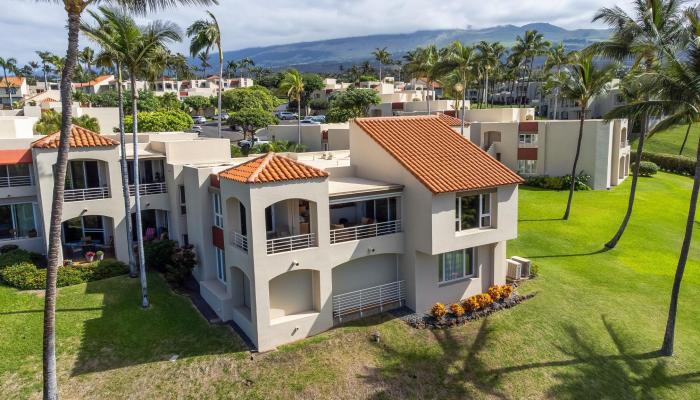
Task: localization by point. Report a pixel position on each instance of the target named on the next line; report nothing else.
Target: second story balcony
(86, 180)
(17, 175)
(289, 226)
(151, 177)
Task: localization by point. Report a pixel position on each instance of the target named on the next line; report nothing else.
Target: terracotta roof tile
(271, 168)
(440, 158)
(93, 82)
(14, 81)
(450, 120)
(79, 137)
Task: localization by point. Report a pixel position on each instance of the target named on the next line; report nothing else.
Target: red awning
(21, 156)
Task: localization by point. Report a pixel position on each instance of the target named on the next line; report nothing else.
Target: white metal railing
(362, 300)
(86, 194)
(239, 240)
(149, 188)
(13, 181)
(291, 243)
(365, 231)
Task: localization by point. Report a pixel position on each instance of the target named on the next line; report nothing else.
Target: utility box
(514, 270)
(525, 266)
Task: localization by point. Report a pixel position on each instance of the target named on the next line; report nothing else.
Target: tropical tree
(352, 103)
(488, 59)
(87, 56)
(383, 57)
(581, 82)
(8, 64)
(653, 25)
(252, 119)
(45, 57)
(246, 64)
(203, 58)
(292, 85)
(231, 68)
(557, 57)
(421, 64)
(460, 60)
(528, 47)
(205, 34)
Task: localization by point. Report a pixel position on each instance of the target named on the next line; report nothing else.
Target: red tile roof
(79, 137)
(14, 81)
(440, 158)
(93, 82)
(19, 156)
(450, 120)
(271, 168)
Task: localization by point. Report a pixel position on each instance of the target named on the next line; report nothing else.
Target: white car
(199, 119)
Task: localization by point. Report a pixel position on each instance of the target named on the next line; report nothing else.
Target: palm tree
(293, 85)
(557, 57)
(205, 34)
(529, 47)
(232, 67)
(654, 22)
(460, 60)
(383, 57)
(581, 82)
(87, 56)
(421, 64)
(74, 10)
(245, 64)
(11, 65)
(203, 58)
(488, 58)
(45, 57)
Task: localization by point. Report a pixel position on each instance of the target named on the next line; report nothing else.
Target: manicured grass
(591, 332)
(670, 140)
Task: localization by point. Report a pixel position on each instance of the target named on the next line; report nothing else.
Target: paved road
(209, 130)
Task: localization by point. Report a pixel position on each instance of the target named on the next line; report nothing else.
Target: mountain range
(329, 55)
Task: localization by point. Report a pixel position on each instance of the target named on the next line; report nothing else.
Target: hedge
(558, 182)
(648, 168)
(669, 162)
(26, 275)
(18, 256)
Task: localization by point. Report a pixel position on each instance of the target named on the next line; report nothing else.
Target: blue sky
(31, 26)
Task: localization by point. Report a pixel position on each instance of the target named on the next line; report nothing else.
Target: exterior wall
(17, 127)
(500, 115)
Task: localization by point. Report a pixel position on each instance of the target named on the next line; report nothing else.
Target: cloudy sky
(28, 26)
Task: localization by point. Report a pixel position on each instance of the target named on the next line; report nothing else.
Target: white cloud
(41, 26)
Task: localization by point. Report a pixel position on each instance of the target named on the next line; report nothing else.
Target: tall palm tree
(421, 64)
(205, 34)
(8, 64)
(581, 82)
(87, 56)
(74, 10)
(639, 35)
(104, 34)
(383, 57)
(292, 84)
(45, 57)
(530, 46)
(557, 57)
(488, 58)
(245, 64)
(460, 60)
(203, 58)
(232, 67)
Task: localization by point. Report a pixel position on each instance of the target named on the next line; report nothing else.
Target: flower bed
(475, 307)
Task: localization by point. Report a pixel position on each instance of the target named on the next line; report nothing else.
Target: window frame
(182, 199)
(480, 214)
(525, 139)
(15, 222)
(532, 170)
(472, 261)
(220, 257)
(218, 210)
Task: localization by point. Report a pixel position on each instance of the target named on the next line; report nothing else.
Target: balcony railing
(86, 194)
(365, 231)
(291, 243)
(15, 181)
(149, 188)
(363, 300)
(239, 240)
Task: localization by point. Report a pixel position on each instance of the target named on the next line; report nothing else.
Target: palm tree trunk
(633, 189)
(125, 174)
(486, 88)
(7, 85)
(298, 120)
(573, 169)
(46, 79)
(669, 335)
(137, 195)
(430, 88)
(221, 86)
(54, 231)
(685, 140)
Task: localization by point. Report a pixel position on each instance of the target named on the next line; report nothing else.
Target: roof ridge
(263, 164)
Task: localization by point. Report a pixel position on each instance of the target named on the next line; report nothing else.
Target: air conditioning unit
(514, 270)
(525, 266)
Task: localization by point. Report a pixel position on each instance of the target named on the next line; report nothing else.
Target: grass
(670, 140)
(592, 331)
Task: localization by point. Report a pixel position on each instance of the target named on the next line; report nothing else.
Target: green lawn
(670, 140)
(591, 332)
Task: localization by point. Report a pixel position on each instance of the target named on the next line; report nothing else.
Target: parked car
(286, 115)
(223, 116)
(196, 129)
(246, 142)
(310, 121)
(199, 119)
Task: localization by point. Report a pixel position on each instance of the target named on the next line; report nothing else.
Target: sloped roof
(79, 137)
(12, 81)
(94, 82)
(440, 158)
(450, 120)
(271, 167)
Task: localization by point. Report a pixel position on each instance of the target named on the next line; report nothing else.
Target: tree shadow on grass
(125, 334)
(589, 253)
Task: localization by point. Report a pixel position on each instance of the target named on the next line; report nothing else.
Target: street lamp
(460, 88)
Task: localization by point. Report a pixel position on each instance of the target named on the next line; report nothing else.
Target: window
(220, 265)
(473, 211)
(527, 167)
(17, 220)
(15, 175)
(218, 212)
(183, 203)
(83, 175)
(527, 138)
(456, 265)
(382, 210)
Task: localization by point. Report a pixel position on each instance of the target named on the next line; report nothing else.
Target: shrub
(534, 270)
(438, 311)
(157, 254)
(558, 182)
(182, 261)
(669, 163)
(484, 300)
(8, 248)
(506, 291)
(102, 269)
(24, 276)
(471, 304)
(16, 256)
(496, 292)
(457, 309)
(648, 168)
(27, 276)
(160, 121)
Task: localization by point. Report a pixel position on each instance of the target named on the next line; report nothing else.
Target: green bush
(558, 182)
(160, 121)
(16, 256)
(158, 254)
(183, 260)
(7, 248)
(648, 168)
(27, 276)
(669, 163)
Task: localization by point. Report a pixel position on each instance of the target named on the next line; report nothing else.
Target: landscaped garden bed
(472, 308)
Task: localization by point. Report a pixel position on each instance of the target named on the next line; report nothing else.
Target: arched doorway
(294, 292)
(87, 233)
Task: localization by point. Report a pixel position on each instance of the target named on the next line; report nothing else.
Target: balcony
(15, 181)
(86, 194)
(240, 241)
(149, 188)
(379, 297)
(365, 231)
(291, 243)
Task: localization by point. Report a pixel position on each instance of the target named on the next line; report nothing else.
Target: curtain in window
(452, 265)
(24, 219)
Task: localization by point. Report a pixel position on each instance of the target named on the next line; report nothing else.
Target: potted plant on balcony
(90, 256)
(100, 255)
